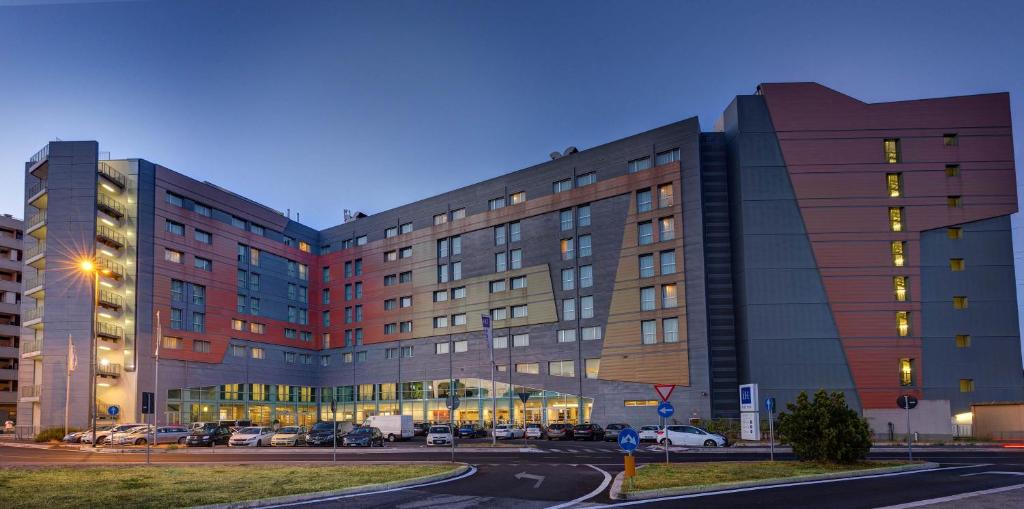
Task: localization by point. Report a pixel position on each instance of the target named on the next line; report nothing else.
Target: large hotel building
(810, 241)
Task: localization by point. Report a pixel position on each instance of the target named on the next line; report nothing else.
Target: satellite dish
(570, 150)
(555, 155)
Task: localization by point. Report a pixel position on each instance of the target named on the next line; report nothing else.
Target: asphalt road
(562, 472)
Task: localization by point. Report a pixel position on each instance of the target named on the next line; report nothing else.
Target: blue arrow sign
(629, 439)
(665, 409)
(113, 410)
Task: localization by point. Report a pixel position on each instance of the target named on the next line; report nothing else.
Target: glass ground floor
(425, 401)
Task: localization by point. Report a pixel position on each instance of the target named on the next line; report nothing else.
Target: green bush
(825, 429)
(51, 434)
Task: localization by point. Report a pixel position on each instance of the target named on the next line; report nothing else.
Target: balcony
(35, 255)
(108, 370)
(110, 268)
(31, 348)
(109, 331)
(113, 180)
(110, 207)
(36, 225)
(39, 157)
(37, 196)
(32, 317)
(29, 392)
(110, 237)
(110, 300)
(34, 286)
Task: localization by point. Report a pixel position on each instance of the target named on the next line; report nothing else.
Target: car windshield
(250, 431)
(583, 427)
(616, 426)
(557, 426)
(439, 429)
(322, 426)
(360, 431)
(532, 426)
(290, 430)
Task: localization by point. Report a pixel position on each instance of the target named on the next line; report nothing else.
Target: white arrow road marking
(538, 478)
(993, 472)
(604, 484)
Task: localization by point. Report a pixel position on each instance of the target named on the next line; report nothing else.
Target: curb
(616, 493)
(368, 488)
(299, 450)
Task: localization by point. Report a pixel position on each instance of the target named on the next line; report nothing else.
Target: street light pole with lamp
(88, 266)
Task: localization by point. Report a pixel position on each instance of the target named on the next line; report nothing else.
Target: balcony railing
(37, 188)
(30, 391)
(32, 314)
(35, 250)
(110, 206)
(35, 281)
(31, 345)
(111, 268)
(110, 236)
(109, 331)
(108, 369)
(110, 300)
(43, 154)
(37, 219)
(112, 175)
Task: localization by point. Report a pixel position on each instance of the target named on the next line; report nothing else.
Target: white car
(112, 435)
(289, 436)
(534, 430)
(253, 436)
(509, 431)
(439, 435)
(691, 435)
(649, 433)
(164, 435)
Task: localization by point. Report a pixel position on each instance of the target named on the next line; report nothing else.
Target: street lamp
(89, 267)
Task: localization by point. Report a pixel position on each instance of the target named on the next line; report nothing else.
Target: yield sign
(664, 390)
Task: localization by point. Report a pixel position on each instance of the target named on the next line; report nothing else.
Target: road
(558, 473)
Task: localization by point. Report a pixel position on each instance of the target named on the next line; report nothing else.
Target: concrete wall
(998, 421)
(930, 420)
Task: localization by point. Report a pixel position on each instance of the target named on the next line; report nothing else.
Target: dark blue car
(470, 431)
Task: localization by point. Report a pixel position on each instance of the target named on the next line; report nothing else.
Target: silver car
(164, 435)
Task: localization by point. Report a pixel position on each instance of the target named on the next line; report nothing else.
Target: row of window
(645, 199)
(197, 324)
(253, 327)
(666, 231)
(197, 292)
(893, 153)
(198, 262)
(669, 297)
(206, 211)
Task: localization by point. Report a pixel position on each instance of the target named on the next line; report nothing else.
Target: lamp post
(89, 267)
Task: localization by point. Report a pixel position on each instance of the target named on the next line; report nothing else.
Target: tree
(826, 429)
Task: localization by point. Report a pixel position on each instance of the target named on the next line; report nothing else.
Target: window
(500, 264)
(325, 360)
(528, 368)
(237, 351)
(390, 353)
(291, 333)
(519, 311)
(520, 340)
(359, 313)
(497, 286)
(591, 333)
(592, 366)
(325, 296)
(458, 214)
(304, 247)
(175, 200)
(347, 357)
(257, 352)
(584, 245)
(439, 296)
(257, 328)
(644, 201)
(956, 264)
(390, 232)
(668, 262)
(361, 240)
(200, 346)
(325, 318)
(648, 332)
(198, 295)
(565, 219)
(568, 279)
(405, 327)
(963, 341)
(456, 271)
(587, 306)
(952, 170)
(202, 210)
(583, 215)
(499, 235)
(966, 385)
(203, 237)
(950, 140)
(237, 324)
(501, 342)
(906, 372)
(254, 282)
(440, 322)
(954, 202)
(955, 233)
(174, 228)
(640, 164)
(959, 302)
(670, 326)
(407, 352)
(892, 150)
(405, 277)
(567, 336)
(586, 276)
(361, 356)
(390, 256)
(516, 261)
(666, 229)
(254, 257)
(442, 273)
(173, 256)
(518, 282)
(441, 348)
(404, 228)
(586, 179)
(457, 293)
(896, 219)
(440, 219)
(459, 319)
(903, 323)
(899, 285)
(645, 233)
(358, 293)
(177, 291)
(562, 368)
(646, 265)
(255, 228)
(562, 185)
(894, 182)
(496, 203)
(669, 296)
(240, 303)
(517, 198)
(665, 196)
(566, 248)
(198, 322)
(325, 274)
(514, 232)
(568, 309)
(499, 314)
(405, 252)
(173, 343)
(238, 222)
(666, 157)
(647, 299)
(897, 253)
(202, 264)
(390, 280)
(461, 346)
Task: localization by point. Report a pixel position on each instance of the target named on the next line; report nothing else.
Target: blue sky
(321, 106)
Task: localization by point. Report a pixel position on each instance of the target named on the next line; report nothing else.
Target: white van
(393, 427)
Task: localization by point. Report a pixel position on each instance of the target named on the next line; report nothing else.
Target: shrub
(52, 434)
(825, 429)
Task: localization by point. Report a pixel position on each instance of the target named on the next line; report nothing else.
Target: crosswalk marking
(555, 450)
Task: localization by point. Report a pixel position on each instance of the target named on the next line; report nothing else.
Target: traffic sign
(665, 409)
(453, 403)
(906, 402)
(664, 390)
(524, 396)
(113, 410)
(629, 439)
(769, 405)
(148, 404)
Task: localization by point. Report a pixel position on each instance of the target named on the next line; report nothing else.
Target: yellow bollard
(630, 466)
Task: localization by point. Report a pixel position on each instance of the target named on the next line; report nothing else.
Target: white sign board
(750, 426)
(748, 398)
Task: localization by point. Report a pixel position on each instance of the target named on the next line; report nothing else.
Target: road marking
(471, 471)
(993, 472)
(952, 498)
(604, 484)
(555, 450)
(538, 478)
(785, 485)
(574, 451)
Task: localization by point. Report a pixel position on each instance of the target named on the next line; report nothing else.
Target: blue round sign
(665, 409)
(629, 439)
(113, 410)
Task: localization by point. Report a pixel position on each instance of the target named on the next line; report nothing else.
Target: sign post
(908, 402)
(769, 405)
(334, 415)
(629, 439)
(524, 396)
(665, 411)
(147, 409)
(453, 404)
(485, 320)
(750, 421)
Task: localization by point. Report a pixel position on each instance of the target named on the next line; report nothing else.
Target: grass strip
(698, 474)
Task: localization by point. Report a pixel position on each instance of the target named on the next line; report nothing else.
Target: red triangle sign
(664, 390)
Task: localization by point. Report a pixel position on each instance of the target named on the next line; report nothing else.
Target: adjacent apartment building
(10, 315)
(811, 241)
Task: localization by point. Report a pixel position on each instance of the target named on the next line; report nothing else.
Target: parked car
(253, 436)
(611, 431)
(588, 431)
(691, 435)
(420, 429)
(323, 434)
(365, 436)
(470, 431)
(105, 437)
(164, 435)
(559, 431)
(509, 431)
(289, 436)
(439, 435)
(208, 435)
(394, 427)
(649, 433)
(534, 430)
(76, 436)
(235, 425)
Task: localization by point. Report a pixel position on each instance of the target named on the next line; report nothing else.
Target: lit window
(906, 372)
(562, 368)
(956, 264)
(666, 229)
(959, 302)
(963, 341)
(645, 233)
(892, 150)
(950, 140)
(894, 181)
(593, 366)
(566, 248)
(257, 352)
(586, 179)
(173, 256)
(173, 343)
(644, 202)
(955, 233)
(562, 186)
(567, 335)
(517, 198)
(670, 326)
(952, 170)
(897, 253)
(899, 284)
(528, 368)
(903, 323)
(237, 324)
(304, 247)
(649, 332)
(647, 299)
(257, 328)
(669, 296)
(640, 164)
(896, 219)
(347, 357)
(966, 385)
(954, 202)
(665, 196)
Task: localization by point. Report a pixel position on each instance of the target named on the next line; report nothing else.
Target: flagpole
(67, 384)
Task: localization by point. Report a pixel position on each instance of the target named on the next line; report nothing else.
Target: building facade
(814, 241)
(10, 315)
